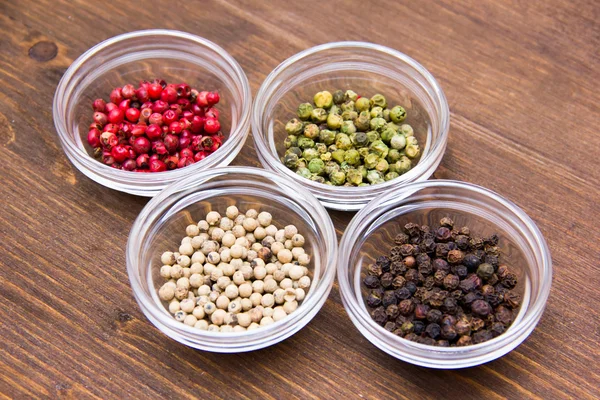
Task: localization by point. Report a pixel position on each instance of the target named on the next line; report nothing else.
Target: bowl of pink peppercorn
(144, 109)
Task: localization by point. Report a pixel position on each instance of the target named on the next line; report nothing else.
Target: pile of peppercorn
(345, 139)
(443, 287)
(155, 127)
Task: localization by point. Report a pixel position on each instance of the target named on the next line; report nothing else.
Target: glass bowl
(485, 213)
(161, 225)
(144, 55)
(367, 69)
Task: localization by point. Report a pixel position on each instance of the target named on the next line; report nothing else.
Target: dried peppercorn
(443, 285)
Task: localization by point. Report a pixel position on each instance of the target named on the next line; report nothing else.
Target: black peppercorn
(389, 298)
(433, 330)
(407, 327)
(386, 279)
(502, 271)
(442, 343)
(412, 275)
(462, 242)
(379, 315)
(503, 315)
(441, 250)
(434, 315)
(390, 326)
(412, 229)
(470, 283)
(429, 282)
(384, 262)
(398, 268)
(476, 243)
(450, 305)
(492, 259)
(411, 336)
(497, 329)
(449, 320)
(470, 297)
(477, 324)
(392, 311)
(373, 300)
(443, 234)
(510, 280)
(464, 341)
(421, 311)
(447, 222)
(374, 269)
(485, 271)
(455, 256)
(428, 245)
(493, 280)
(512, 299)
(371, 281)
(440, 265)
(481, 308)
(482, 336)
(439, 277)
(401, 238)
(471, 261)
(451, 281)
(419, 327)
(406, 307)
(463, 327)
(425, 268)
(448, 332)
(491, 240)
(402, 293)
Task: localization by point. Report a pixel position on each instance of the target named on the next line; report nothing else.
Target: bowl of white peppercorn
(232, 260)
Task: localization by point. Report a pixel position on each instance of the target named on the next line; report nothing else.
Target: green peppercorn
(290, 160)
(350, 95)
(406, 130)
(387, 133)
(354, 176)
(321, 148)
(349, 115)
(379, 148)
(391, 175)
(311, 131)
(348, 127)
(302, 163)
(373, 136)
(304, 111)
(378, 101)
(363, 170)
(398, 142)
(412, 151)
(338, 156)
(362, 104)
(386, 114)
(364, 152)
(382, 165)
(347, 106)
(335, 110)
(342, 141)
(290, 141)
(294, 150)
(338, 97)
(318, 115)
(359, 139)
(334, 121)
(331, 166)
(304, 172)
(316, 166)
(305, 143)
(338, 178)
(374, 177)
(327, 137)
(323, 99)
(332, 147)
(376, 112)
(310, 153)
(401, 166)
(344, 166)
(325, 156)
(362, 123)
(393, 156)
(398, 114)
(377, 124)
(293, 127)
(317, 178)
(352, 157)
(371, 161)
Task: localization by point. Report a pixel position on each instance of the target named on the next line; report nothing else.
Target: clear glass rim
(281, 330)
(236, 138)
(266, 91)
(419, 353)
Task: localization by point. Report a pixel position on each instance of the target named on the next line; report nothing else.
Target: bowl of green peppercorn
(444, 274)
(350, 121)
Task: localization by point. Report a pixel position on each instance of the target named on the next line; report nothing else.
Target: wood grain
(522, 80)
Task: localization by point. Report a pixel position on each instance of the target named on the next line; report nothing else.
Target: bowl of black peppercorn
(444, 274)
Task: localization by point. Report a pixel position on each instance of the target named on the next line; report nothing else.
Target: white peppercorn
(198, 257)
(228, 239)
(276, 247)
(253, 325)
(238, 328)
(228, 269)
(251, 255)
(260, 233)
(242, 241)
(186, 272)
(183, 283)
(209, 246)
(186, 249)
(246, 304)
(297, 251)
(176, 271)
(267, 300)
(252, 213)
(209, 268)
(296, 272)
(264, 218)
(232, 212)
(204, 290)
(286, 283)
(232, 291)
(258, 286)
(165, 271)
(260, 272)
(166, 292)
(280, 236)
(213, 257)
(213, 296)
(186, 240)
(279, 314)
(278, 275)
(255, 298)
(278, 295)
(216, 274)
(213, 328)
(217, 234)
(239, 219)
(201, 324)
(234, 306)
(303, 259)
(288, 244)
(284, 256)
(245, 289)
(256, 314)
(290, 306)
(289, 294)
(210, 308)
(304, 282)
(298, 240)
(174, 306)
(250, 224)
(267, 312)
(203, 226)
(225, 255)
(271, 230)
(213, 218)
(198, 312)
(236, 263)
(223, 282)
(266, 321)
(270, 285)
(226, 224)
(181, 293)
(190, 320)
(244, 319)
(290, 231)
(180, 315)
(192, 230)
(271, 268)
(300, 293)
(167, 258)
(197, 242)
(247, 271)
(238, 231)
(218, 317)
(187, 305)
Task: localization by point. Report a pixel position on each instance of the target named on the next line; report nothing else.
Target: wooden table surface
(522, 81)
